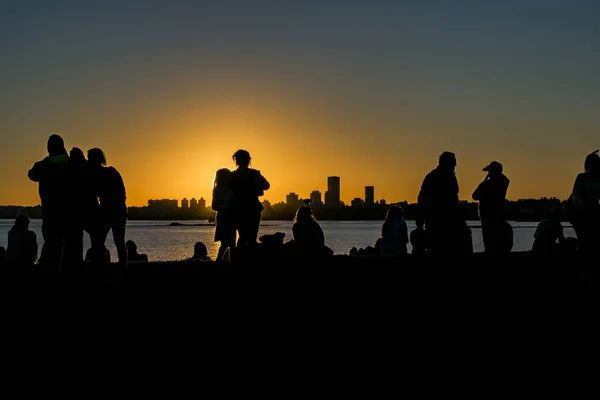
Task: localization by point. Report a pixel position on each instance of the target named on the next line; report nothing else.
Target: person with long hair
(221, 203)
(394, 232)
(247, 185)
(110, 189)
(308, 235)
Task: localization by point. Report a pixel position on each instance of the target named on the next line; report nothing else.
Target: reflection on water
(164, 243)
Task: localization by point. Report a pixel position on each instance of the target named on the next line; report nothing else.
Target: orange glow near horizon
(171, 146)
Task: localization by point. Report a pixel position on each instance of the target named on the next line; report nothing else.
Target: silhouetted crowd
(80, 195)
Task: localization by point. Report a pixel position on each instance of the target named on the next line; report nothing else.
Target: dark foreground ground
(349, 315)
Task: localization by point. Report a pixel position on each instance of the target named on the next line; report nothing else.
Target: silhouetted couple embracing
(236, 200)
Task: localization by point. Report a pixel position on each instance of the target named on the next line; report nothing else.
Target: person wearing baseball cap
(491, 194)
(586, 207)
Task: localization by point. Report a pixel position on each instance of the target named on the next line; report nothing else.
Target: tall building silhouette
(193, 203)
(292, 200)
(185, 203)
(315, 197)
(369, 195)
(332, 196)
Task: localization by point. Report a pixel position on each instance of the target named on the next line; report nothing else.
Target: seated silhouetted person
(394, 233)
(132, 253)
(99, 256)
(549, 235)
(438, 201)
(418, 238)
(55, 188)
(22, 249)
(200, 252)
(308, 238)
(491, 194)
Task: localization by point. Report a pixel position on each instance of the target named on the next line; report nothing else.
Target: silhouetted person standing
(247, 184)
(586, 207)
(85, 208)
(491, 194)
(110, 189)
(224, 220)
(54, 188)
(439, 203)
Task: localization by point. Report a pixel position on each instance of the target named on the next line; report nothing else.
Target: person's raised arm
(34, 173)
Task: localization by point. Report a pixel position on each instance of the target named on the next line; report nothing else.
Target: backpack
(221, 199)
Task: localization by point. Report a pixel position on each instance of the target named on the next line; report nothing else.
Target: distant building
(356, 202)
(193, 203)
(315, 198)
(185, 204)
(332, 196)
(266, 204)
(369, 195)
(163, 204)
(201, 204)
(292, 200)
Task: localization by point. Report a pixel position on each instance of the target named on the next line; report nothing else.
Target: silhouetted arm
(35, 172)
(479, 193)
(424, 198)
(264, 184)
(577, 192)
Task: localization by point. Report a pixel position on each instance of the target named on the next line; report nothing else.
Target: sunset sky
(371, 91)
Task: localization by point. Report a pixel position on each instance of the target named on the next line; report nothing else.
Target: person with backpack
(221, 203)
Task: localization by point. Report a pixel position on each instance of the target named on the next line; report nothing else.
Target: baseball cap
(493, 166)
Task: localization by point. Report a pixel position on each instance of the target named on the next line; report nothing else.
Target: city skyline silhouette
(372, 92)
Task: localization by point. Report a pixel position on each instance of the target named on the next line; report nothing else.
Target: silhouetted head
(419, 222)
(304, 214)
(96, 156)
(494, 168)
(200, 250)
(394, 212)
(22, 222)
(131, 246)
(592, 163)
(447, 161)
(222, 177)
(76, 154)
(56, 145)
(242, 158)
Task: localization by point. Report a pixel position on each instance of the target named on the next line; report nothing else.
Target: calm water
(165, 243)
